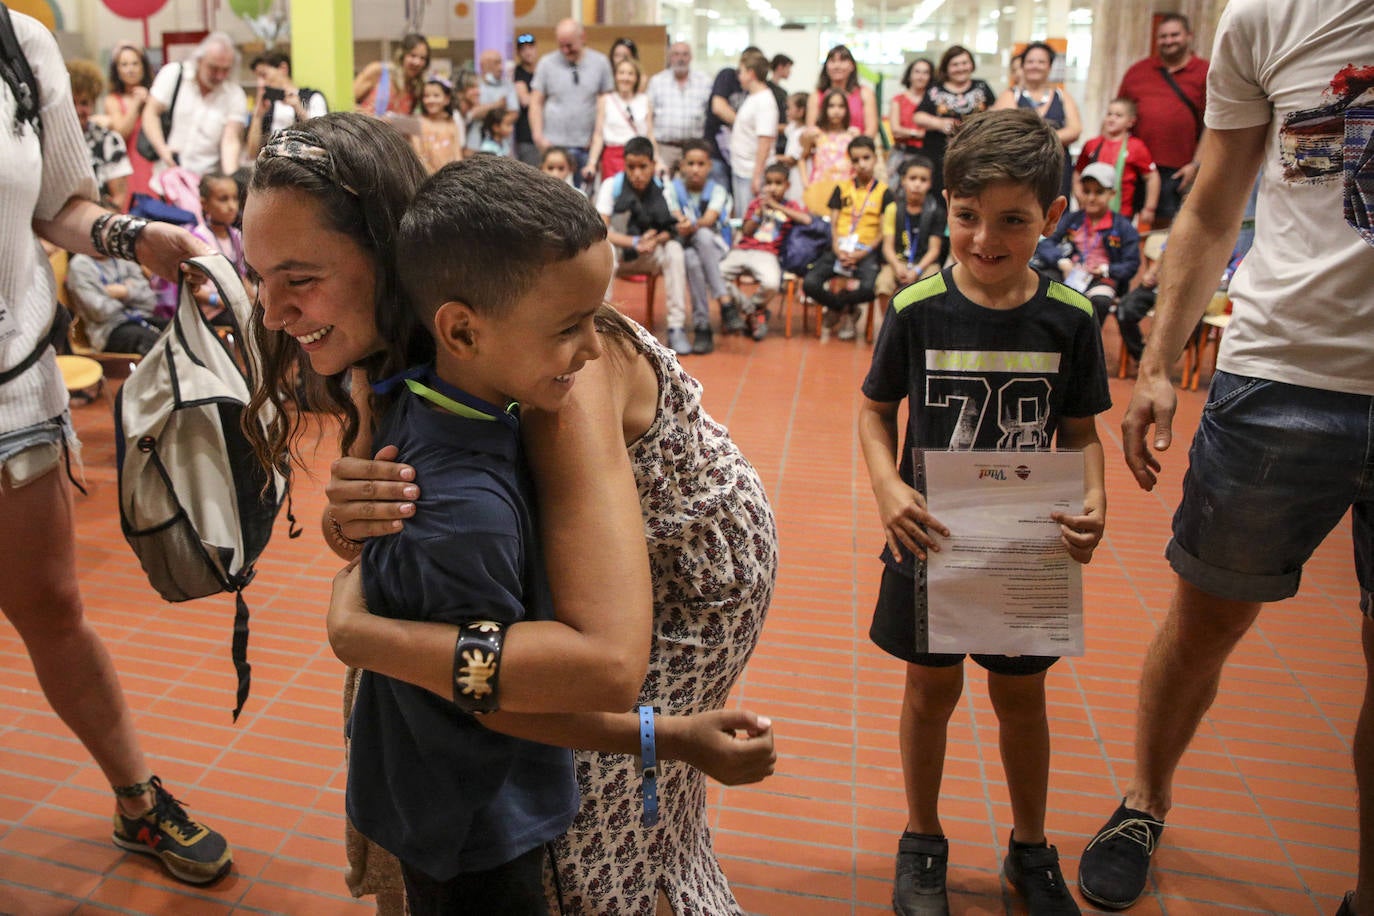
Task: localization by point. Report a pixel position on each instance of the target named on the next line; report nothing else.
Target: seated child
(468, 810)
(1128, 157)
(1042, 363)
(767, 221)
(115, 303)
(1094, 250)
(913, 250)
(644, 229)
(219, 203)
(704, 209)
(1136, 304)
(856, 214)
(558, 163)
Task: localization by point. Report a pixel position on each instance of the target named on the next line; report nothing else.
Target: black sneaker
(1347, 905)
(919, 888)
(731, 321)
(1116, 862)
(1034, 872)
(192, 852)
(703, 341)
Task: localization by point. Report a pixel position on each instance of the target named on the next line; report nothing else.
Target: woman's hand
(368, 498)
(346, 607)
(161, 247)
(732, 746)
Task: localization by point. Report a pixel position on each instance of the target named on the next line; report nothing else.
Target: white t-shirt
(1304, 295)
(757, 117)
(198, 120)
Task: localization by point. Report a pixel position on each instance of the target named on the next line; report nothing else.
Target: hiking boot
(1034, 872)
(678, 342)
(919, 888)
(1116, 862)
(846, 328)
(731, 321)
(1347, 905)
(703, 341)
(758, 325)
(192, 852)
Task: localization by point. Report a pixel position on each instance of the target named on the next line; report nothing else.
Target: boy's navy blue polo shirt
(426, 781)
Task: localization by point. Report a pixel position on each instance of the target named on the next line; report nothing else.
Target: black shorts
(894, 631)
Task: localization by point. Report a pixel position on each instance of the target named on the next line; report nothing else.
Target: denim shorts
(894, 631)
(1273, 469)
(29, 453)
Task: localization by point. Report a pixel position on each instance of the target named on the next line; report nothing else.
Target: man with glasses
(678, 96)
(207, 107)
(526, 57)
(563, 94)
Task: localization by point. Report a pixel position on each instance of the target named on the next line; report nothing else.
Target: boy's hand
(732, 746)
(117, 291)
(370, 498)
(647, 242)
(1081, 533)
(346, 606)
(906, 521)
(685, 226)
(906, 274)
(1065, 266)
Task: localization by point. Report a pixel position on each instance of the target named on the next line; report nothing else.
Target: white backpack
(194, 503)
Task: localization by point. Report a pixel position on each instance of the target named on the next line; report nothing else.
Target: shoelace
(1134, 829)
(168, 810)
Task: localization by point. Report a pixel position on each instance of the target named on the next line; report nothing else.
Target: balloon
(250, 9)
(134, 9)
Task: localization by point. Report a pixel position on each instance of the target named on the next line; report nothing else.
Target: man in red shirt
(1170, 126)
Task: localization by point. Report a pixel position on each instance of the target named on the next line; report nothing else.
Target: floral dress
(713, 555)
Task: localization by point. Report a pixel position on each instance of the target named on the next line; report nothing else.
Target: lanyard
(629, 115)
(912, 236)
(1120, 171)
(449, 397)
(858, 211)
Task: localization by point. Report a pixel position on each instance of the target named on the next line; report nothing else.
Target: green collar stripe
(449, 404)
(1069, 296)
(931, 286)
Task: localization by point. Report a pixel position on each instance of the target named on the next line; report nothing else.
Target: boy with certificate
(989, 355)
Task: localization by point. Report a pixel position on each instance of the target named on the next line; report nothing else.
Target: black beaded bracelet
(124, 233)
(477, 666)
(98, 234)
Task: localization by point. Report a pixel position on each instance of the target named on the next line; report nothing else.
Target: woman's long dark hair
(823, 116)
(382, 174)
(115, 84)
(823, 83)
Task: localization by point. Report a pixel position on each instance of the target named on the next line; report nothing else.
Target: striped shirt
(679, 111)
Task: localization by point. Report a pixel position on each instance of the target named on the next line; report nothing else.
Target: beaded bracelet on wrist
(114, 235)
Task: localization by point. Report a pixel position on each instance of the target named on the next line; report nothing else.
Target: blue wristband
(648, 759)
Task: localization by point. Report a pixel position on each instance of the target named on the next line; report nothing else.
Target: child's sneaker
(678, 342)
(758, 325)
(846, 329)
(731, 321)
(192, 852)
(1034, 872)
(919, 888)
(703, 341)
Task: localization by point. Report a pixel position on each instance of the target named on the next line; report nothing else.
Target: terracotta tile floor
(1264, 821)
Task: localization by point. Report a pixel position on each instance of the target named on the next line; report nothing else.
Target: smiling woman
(685, 548)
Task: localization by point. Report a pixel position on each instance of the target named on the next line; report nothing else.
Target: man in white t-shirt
(208, 112)
(754, 131)
(1283, 451)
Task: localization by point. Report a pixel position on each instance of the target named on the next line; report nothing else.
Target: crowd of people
(493, 763)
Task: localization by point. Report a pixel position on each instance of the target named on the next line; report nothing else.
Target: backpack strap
(18, 75)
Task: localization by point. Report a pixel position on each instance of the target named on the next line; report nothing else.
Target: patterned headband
(304, 147)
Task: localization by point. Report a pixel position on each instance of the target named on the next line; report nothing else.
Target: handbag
(144, 145)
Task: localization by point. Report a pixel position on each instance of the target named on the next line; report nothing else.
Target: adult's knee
(932, 694)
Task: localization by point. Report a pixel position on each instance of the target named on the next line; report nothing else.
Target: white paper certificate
(1003, 583)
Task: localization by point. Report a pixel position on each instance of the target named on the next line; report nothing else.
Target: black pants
(132, 337)
(1132, 308)
(513, 889)
(817, 282)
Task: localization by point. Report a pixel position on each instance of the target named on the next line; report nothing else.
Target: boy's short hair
(777, 168)
(862, 141)
(755, 63)
(780, 60)
(1013, 145)
(274, 58)
(698, 145)
(87, 81)
(1129, 105)
(914, 161)
(481, 231)
(639, 146)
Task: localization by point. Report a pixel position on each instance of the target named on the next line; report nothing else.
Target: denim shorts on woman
(1273, 469)
(29, 453)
